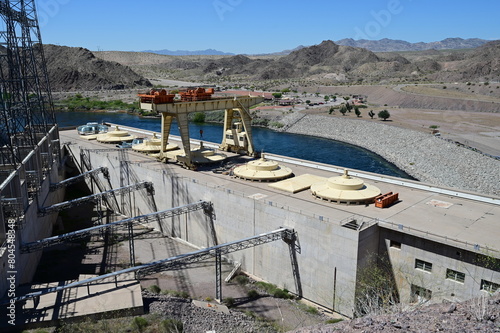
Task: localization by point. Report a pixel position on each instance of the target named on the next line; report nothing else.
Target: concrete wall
(328, 250)
(476, 267)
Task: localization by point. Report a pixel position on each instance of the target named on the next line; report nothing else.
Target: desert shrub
(241, 279)
(276, 124)
(139, 323)
(279, 293)
(154, 289)
(253, 294)
(229, 301)
(172, 326)
(333, 321)
(312, 310)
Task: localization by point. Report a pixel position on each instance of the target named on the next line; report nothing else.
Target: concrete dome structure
(262, 170)
(345, 189)
(152, 145)
(116, 136)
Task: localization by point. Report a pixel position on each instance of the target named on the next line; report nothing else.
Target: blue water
(286, 144)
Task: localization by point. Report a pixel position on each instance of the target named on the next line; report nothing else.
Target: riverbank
(423, 156)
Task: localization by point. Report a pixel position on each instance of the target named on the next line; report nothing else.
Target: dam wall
(438, 244)
(328, 257)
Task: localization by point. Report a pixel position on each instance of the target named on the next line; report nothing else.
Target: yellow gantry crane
(237, 132)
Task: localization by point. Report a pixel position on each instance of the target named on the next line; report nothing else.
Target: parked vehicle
(92, 128)
(129, 144)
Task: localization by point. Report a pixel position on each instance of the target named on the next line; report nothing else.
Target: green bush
(229, 301)
(139, 323)
(77, 102)
(241, 279)
(384, 114)
(333, 321)
(278, 293)
(312, 310)
(172, 326)
(154, 289)
(199, 117)
(276, 124)
(253, 294)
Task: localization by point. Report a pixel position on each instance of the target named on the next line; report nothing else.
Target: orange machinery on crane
(163, 97)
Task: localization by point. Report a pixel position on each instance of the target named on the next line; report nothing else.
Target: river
(293, 145)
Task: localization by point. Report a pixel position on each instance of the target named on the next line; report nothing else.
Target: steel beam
(170, 263)
(147, 218)
(85, 175)
(202, 106)
(73, 203)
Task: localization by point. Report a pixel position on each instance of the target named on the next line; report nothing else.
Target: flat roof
(459, 218)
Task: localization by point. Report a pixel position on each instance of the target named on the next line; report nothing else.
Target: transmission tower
(26, 108)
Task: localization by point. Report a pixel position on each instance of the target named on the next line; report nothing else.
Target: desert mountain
(484, 62)
(326, 57)
(76, 68)
(326, 62)
(391, 45)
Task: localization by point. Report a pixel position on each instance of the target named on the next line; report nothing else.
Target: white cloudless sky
(258, 26)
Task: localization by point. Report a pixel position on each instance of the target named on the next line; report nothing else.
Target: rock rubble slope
(477, 315)
(426, 157)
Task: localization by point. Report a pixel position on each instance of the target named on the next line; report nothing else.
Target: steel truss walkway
(91, 198)
(76, 179)
(287, 235)
(126, 223)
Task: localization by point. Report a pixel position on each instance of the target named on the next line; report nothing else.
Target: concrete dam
(426, 235)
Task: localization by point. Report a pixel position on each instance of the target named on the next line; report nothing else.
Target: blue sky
(258, 26)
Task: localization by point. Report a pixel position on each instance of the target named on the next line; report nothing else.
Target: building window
(419, 294)
(423, 265)
(395, 245)
(488, 286)
(455, 276)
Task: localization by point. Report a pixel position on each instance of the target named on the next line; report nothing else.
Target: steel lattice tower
(26, 108)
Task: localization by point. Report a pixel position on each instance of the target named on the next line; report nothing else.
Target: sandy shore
(426, 157)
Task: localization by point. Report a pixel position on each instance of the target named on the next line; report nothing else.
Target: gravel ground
(426, 157)
(196, 319)
(477, 315)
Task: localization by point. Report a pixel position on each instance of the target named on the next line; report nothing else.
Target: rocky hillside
(73, 68)
(477, 315)
(326, 63)
(326, 57)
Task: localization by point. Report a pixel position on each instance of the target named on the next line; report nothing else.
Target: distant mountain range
(184, 52)
(391, 45)
(382, 45)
